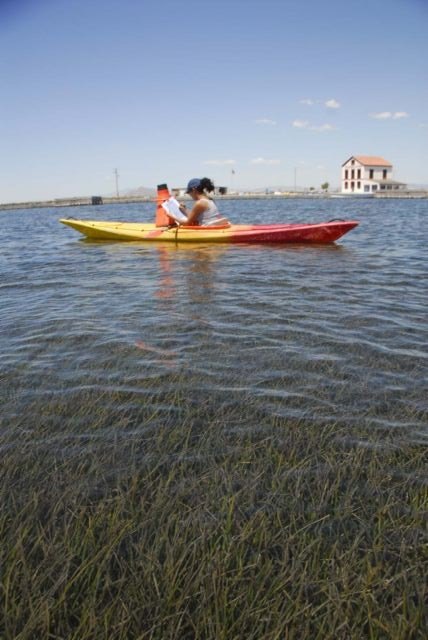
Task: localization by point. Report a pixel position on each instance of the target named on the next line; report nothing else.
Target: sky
(251, 93)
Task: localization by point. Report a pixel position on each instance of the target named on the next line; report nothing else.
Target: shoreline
(87, 201)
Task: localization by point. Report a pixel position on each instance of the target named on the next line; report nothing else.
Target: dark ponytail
(206, 185)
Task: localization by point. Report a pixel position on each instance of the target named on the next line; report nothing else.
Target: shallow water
(106, 340)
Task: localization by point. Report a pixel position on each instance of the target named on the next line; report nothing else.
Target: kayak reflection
(197, 263)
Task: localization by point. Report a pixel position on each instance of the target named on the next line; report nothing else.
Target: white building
(368, 175)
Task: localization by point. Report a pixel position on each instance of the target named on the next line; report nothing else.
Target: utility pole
(295, 179)
(117, 182)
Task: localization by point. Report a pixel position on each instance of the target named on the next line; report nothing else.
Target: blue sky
(168, 90)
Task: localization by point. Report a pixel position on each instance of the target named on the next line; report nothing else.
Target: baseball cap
(193, 184)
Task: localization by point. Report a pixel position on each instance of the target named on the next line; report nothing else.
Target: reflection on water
(199, 261)
(167, 284)
(325, 333)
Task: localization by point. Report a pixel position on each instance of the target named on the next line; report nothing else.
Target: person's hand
(182, 208)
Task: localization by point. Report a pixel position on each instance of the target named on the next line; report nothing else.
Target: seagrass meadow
(211, 442)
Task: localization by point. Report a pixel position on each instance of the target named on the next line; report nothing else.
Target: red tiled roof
(372, 161)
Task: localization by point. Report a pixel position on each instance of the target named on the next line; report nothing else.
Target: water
(110, 340)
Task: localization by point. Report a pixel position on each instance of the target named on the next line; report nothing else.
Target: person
(204, 212)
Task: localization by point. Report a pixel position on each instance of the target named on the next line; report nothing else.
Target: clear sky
(168, 90)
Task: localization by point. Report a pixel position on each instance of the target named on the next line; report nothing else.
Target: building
(180, 192)
(368, 175)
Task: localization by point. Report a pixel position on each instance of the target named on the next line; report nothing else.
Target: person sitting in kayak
(204, 212)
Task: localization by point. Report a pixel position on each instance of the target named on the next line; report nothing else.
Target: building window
(346, 174)
(346, 185)
(371, 174)
(352, 174)
(358, 185)
(352, 186)
(384, 174)
(353, 162)
(359, 174)
(374, 187)
(366, 188)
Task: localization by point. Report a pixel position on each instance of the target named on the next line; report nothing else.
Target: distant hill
(139, 191)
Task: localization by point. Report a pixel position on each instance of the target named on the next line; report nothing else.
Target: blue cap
(193, 184)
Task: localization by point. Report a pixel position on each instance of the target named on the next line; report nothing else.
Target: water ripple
(105, 336)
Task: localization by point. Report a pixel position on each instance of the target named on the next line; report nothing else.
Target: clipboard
(172, 209)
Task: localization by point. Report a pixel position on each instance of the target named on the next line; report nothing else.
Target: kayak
(170, 225)
(317, 233)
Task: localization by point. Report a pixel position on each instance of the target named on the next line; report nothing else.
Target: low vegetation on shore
(202, 527)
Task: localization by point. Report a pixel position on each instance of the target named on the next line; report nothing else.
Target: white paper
(172, 208)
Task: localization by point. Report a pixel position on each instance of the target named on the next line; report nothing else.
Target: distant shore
(87, 201)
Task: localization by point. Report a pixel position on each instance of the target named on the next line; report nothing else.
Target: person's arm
(198, 208)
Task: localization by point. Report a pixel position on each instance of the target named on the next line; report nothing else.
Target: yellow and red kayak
(322, 232)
